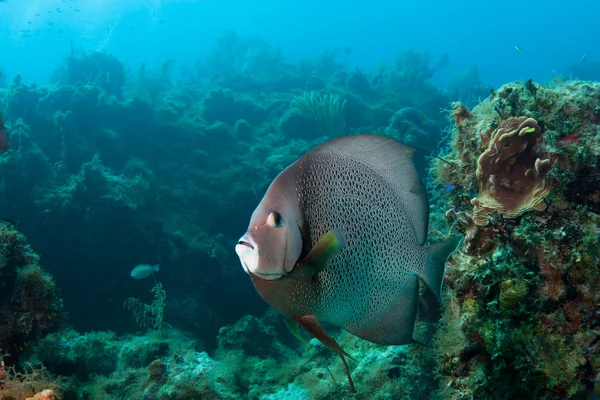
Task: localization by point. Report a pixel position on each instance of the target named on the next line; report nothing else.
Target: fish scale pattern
(381, 248)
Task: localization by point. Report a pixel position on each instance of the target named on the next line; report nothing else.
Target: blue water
(109, 167)
(35, 35)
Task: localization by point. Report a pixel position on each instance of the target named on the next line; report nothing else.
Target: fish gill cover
(138, 134)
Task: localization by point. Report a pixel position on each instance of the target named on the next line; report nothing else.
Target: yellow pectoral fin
(325, 249)
(294, 328)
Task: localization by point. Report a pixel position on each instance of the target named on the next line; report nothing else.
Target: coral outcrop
(94, 69)
(30, 304)
(30, 308)
(104, 366)
(522, 302)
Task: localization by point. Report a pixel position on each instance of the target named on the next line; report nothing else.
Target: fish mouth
(247, 251)
(247, 244)
(266, 276)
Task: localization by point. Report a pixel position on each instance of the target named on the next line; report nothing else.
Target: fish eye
(274, 219)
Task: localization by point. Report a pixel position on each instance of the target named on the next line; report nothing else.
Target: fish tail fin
(156, 267)
(436, 261)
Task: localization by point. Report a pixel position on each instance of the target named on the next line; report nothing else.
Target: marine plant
(150, 315)
(95, 69)
(226, 56)
(27, 382)
(325, 110)
(153, 85)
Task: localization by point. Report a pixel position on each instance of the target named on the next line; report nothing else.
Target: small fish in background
(449, 189)
(143, 271)
(520, 50)
(571, 139)
(583, 57)
(3, 137)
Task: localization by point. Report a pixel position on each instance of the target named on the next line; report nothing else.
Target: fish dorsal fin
(392, 161)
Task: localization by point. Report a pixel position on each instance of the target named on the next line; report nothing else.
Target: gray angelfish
(338, 237)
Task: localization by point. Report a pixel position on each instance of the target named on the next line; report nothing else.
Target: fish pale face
(247, 251)
(271, 247)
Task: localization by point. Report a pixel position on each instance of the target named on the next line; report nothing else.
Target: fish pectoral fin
(326, 248)
(312, 325)
(294, 329)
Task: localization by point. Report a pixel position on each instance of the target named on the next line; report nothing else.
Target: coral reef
(94, 69)
(522, 306)
(30, 308)
(104, 366)
(30, 304)
(107, 170)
